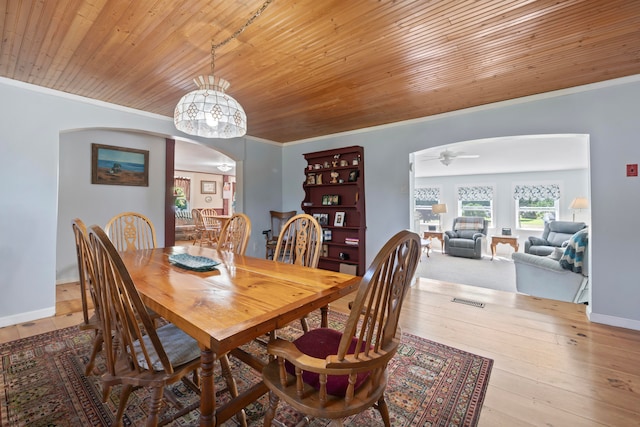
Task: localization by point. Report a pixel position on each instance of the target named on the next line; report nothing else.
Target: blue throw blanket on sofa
(573, 257)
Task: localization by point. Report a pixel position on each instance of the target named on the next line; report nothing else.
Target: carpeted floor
(43, 385)
(498, 274)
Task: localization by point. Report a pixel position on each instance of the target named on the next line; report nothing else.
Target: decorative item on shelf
(343, 256)
(578, 204)
(319, 178)
(322, 218)
(506, 232)
(311, 179)
(327, 164)
(341, 181)
(307, 204)
(326, 234)
(317, 166)
(353, 241)
(356, 161)
(335, 199)
(344, 163)
(353, 175)
(324, 252)
(334, 177)
(310, 167)
(339, 219)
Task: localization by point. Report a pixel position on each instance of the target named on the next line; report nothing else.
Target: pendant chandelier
(209, 111)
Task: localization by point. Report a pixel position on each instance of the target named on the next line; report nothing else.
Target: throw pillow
(537, 241)
(556, 254)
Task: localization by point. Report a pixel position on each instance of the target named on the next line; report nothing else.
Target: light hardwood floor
(552, 367)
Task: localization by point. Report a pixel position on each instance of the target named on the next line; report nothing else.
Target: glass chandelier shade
(209, 112)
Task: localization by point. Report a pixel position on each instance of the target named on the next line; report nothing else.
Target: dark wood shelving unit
(345, 196)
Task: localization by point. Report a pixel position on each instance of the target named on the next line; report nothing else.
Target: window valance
(537, 192)
(426, 194)
(475, 193)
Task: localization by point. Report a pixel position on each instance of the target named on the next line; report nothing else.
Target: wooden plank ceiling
(307, 68)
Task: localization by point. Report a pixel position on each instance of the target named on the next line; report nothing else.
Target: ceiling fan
(446, 157)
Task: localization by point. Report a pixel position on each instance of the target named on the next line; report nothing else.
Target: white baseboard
(613, 320)
(27, 317)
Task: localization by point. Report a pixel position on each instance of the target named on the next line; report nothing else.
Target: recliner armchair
(554, 235)
(467, 237)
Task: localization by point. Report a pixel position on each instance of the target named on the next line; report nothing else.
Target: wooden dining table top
(242, 299)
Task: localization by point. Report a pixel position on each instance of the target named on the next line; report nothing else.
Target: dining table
(241, 299)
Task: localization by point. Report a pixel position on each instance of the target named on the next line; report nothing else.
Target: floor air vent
(468, 302)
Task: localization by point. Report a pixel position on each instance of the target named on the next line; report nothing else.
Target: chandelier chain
(237, 33)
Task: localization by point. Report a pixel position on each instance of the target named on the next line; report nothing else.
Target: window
(535, 205)
(476, 201)
(425, 198)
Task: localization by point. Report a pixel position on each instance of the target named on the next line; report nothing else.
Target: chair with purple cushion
(330, 374)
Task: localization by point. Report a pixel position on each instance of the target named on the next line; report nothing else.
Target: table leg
(207, 389)
(493, 250)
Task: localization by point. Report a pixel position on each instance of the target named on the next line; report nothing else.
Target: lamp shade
(579, 203)
(439, 208)
(210, 112)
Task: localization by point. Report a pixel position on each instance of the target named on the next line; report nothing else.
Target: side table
(439, 235)
(507, 240)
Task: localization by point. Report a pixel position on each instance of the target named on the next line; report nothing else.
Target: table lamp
(578, 203)
(439, 209)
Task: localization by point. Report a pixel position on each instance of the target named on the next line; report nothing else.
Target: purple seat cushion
(320, 343)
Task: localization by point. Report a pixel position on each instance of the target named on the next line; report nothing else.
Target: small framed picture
(325, 199)
(323, 219)
(335, 199)
(326, 234)
(353, 175)
(339, 219)
(207, 187)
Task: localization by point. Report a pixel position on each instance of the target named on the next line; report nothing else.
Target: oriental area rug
(43, 384)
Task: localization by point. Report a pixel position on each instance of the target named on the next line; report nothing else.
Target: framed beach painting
(119, 166)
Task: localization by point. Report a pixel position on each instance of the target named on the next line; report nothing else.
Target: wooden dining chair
(90, 300)
(130, 231)
(299, 243)
(137, 354)
(235, 234)
(207, 226)
(278, 219)
(334, 374)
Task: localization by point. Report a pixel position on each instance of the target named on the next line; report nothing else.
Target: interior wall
(30, 154)
(605, 112)
(199, 200)
(97, 203)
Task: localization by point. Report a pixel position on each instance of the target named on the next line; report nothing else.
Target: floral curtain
(475, 193)
(537, 192)
(427, 193)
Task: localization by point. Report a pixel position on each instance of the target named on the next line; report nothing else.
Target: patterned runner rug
(43, 384)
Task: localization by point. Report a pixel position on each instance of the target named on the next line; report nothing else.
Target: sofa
(467, 237)
(554, 235)
(562, 275)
